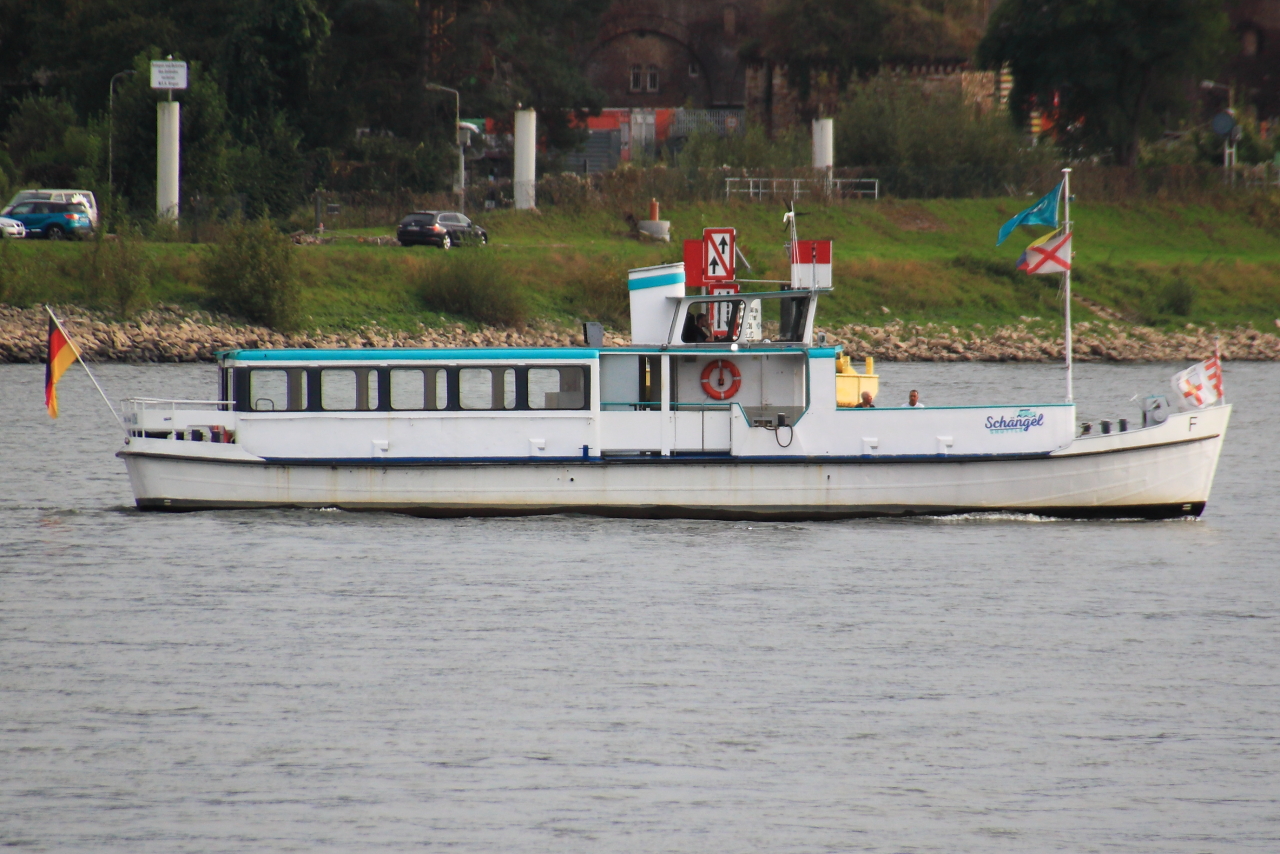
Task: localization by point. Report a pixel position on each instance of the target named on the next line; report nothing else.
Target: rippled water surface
(312, 681)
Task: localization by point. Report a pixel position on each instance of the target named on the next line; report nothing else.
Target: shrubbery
(473, 284)
(927, 144)
(253, 273)
(120, 272)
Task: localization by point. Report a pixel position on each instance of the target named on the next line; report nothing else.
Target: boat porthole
(571, 480)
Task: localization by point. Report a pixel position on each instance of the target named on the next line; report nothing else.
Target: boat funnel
(655, 297)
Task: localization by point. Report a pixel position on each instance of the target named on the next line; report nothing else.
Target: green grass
(936, 261)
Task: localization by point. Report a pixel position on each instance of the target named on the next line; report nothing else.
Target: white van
(80, 197)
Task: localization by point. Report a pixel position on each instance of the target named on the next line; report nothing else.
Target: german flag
(62, 355)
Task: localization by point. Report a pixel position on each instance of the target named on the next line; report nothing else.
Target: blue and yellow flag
(1043, 212)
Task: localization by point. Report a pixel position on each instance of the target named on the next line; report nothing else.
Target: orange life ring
(718, 390)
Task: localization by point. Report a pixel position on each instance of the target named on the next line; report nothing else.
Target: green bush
(120, 272)
(1178, 297)
(253, 273)
(924, 144)
(472, 284)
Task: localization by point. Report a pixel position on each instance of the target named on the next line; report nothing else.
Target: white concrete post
(168, 131)
(524, 183)
(824, 143)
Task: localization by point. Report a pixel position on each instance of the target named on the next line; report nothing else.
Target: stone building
(672, 53)
(1255, 72)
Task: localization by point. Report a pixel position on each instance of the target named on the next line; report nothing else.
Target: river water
(325, 681)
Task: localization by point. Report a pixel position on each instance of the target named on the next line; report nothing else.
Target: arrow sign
(719, 252)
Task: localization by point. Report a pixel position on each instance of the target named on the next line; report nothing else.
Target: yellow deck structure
(850, 384)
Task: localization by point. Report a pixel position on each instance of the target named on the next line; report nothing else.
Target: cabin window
(278, 390)
(716, 321)
(348, 389)
(419, 388)
(487, 388)
(558, 388)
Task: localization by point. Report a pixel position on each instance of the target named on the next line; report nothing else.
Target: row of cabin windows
(409, 389)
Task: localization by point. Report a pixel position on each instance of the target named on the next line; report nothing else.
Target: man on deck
(865, 403)
(913, 400)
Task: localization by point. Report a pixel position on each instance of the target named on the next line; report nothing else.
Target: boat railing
(151, 404)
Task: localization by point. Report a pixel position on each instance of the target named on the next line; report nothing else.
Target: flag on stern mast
(1049, 254)
(62, 355)
(1043, 212)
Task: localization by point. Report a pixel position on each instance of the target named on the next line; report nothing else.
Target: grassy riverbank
(930, 261)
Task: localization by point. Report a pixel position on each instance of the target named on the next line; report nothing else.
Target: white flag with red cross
(1049, 254)
(1199, 385)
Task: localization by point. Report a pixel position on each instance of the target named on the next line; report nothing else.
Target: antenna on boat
(1066, 278)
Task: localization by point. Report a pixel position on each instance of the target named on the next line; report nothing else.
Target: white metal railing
(144, 404)
(761, 188)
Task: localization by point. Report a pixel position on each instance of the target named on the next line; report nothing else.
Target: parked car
(78, 197)
(439, 228)
(53, 220)
(12, 228)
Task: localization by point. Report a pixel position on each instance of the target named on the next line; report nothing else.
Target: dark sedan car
(439, 228)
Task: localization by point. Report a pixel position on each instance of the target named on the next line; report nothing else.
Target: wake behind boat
(703, 416)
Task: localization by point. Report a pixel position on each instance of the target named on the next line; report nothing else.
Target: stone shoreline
(169, 334)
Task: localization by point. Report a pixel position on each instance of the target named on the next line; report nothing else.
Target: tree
(840, 37)
(510, 52)
(205, 137)
(1116, 67)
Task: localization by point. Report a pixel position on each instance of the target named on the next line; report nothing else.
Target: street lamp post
(457, 133)
(111, 126)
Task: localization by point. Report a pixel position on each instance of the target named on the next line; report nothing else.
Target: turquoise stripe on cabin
(656, 281)
(383, 354)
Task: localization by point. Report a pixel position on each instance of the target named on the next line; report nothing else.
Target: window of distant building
(693, 69)
(730, 20)
(637, 78)
(652, 82)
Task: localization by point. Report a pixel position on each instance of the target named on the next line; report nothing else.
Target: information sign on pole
(720, 252)
(168, 74)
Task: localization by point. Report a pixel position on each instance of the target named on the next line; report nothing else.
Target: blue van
(53, 220)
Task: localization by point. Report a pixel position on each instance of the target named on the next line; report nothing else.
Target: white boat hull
(1158, 472)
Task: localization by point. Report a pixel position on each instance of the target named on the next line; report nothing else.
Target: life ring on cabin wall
(716, 388)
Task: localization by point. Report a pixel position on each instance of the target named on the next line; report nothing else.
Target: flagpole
(1066, 280)
(92, 378)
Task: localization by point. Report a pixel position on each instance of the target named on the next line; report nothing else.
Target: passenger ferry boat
(701, 416)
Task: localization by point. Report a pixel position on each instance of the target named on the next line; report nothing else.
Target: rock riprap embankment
(168, 334)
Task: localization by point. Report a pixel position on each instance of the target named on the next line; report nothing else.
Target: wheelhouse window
(278, 390)
(637, 78)
(715, 321)
(348, 389)
(419, 388)
(487, 388)
(557, 388)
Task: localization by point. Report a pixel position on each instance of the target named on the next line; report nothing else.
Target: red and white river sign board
(811, 264)
(719, 251)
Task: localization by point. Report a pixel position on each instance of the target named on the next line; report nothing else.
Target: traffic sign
(719, 252)
(168, 74)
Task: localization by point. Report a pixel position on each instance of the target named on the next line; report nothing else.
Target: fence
(794, 188)
(629, 189)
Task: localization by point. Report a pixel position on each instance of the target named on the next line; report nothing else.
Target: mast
(1066, 280)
